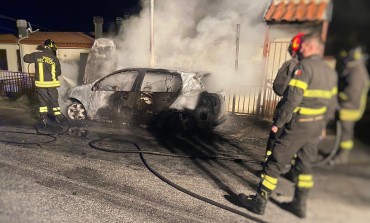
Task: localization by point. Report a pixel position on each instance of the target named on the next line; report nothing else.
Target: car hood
(102, 60)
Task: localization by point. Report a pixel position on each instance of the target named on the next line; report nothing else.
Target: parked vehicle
(171, 98)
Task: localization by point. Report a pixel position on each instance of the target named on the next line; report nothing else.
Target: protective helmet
(50, 44)
(295, 44)
(356, 53)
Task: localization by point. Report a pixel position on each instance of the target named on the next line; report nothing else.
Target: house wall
(279, 39)
(11, 54)
(280, 32)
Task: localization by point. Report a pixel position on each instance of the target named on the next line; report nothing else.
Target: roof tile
(279, 11)
(8, 38)
(289, 12)
(62, 39)
(311, 10)
(297, 10)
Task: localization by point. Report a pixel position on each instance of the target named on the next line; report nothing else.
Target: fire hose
(164, 179)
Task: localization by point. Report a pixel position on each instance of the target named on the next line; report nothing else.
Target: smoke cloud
(68, 79)
(198, 35)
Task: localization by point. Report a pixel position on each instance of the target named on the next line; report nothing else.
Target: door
(158, 91)
(113, 99)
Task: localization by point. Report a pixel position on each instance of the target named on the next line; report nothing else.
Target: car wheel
(76, 111)
(180, 122)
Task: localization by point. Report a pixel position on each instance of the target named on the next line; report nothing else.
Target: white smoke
(198, 35)
(68, 79)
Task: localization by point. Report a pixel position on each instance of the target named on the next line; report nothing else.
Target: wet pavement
(66, 180)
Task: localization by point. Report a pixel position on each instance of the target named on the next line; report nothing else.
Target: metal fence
(15, 82)
(260, 100)
(243, 99)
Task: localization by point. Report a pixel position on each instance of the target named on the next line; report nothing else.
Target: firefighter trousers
(299, 137)
(273, 136)
(48, 101)
(346, 140)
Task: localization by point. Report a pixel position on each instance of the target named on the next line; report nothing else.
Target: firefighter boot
(341, 158)
(298, 205)
(292, 175)
(43, 121)
(255, 203)
(60, 120)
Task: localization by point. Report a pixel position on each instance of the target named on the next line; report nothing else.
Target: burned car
(143, 95)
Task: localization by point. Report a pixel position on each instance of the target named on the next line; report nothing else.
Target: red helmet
(295, 44)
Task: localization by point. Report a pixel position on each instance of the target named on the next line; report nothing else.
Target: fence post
(236, 60)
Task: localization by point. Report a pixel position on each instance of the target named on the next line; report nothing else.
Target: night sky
(350, 24)
(64, 16)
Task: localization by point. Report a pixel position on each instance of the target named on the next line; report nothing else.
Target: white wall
(281, 32)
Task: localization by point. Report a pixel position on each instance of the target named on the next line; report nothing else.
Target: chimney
(98, 22)
(119, 21)
(22, 28)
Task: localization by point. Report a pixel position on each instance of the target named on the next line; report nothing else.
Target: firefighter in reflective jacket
(310, 100)
(47, 70)
(280, 86)
(353, 88)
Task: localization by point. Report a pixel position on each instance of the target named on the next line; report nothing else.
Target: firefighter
(47, 70)
(353, 88)
(280, 86)
(309, 103)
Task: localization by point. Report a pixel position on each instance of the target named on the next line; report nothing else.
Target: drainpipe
(119, 21)
(23, 34)
(324, 30)
(98, 23)
(152, 59)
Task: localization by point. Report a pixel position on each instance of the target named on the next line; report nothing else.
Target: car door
(158, 91)
(113, 99)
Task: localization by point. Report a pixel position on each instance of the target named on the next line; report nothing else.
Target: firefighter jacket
(311, 93)
(283, 76)
(47, 68)
(353, 87)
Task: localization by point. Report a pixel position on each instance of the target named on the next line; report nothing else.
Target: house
(284, 18)
(73, 48)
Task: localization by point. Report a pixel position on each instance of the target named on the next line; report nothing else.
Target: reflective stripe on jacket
(312, 91)
(47, 68)
(353, 88)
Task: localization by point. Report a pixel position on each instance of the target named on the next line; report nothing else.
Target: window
(122, 81)
(159, 82)
(3, 60)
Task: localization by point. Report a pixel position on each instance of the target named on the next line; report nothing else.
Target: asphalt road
(66, 180)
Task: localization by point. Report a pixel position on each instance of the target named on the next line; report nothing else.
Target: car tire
(180, 121)
(76, 111)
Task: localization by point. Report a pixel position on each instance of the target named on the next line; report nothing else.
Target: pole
(237, 47)
(236, 61)
(21, 48)
(152, 33)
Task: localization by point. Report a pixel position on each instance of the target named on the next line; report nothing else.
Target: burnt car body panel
(136, 95)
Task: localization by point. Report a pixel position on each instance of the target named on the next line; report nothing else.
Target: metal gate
(260, 99)
(12, 83)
